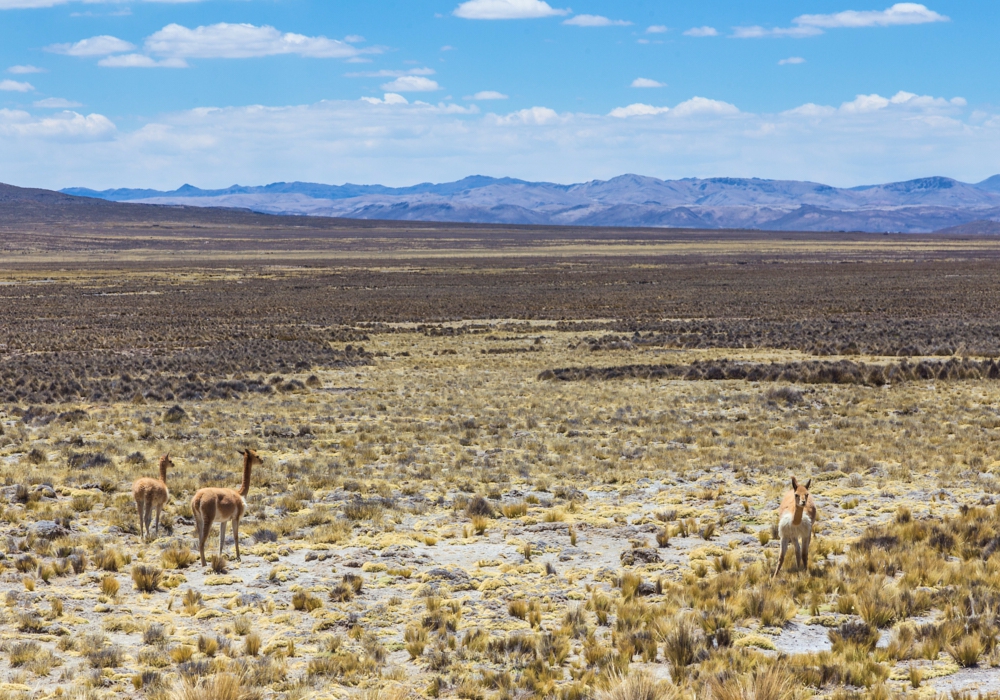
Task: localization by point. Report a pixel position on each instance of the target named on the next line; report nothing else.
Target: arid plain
(499, 463)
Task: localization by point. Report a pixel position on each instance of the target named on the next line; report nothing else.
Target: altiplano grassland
(555, 478)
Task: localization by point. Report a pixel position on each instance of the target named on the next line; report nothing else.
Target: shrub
(178, 556)
(146, 578)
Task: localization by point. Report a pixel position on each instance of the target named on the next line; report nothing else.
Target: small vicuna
(151, 493)
(796, 517)
(223, 505)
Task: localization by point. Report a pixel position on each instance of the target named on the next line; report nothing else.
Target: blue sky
(215, 92)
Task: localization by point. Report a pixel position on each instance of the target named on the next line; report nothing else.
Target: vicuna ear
(795, 484)
(240, 452)
(808, 483)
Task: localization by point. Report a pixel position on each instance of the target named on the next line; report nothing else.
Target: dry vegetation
(523, 503)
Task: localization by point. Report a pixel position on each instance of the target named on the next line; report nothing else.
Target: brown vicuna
(223, 505)
(149, 494)
(796, 517)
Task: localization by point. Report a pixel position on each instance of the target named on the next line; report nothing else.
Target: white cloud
(15, 86)
(637, 110)
(395, 143)
(68, 126)
(703, 105)
(487, 95)
(656, 29)
(411, 83)
(907, 101)
(243, 41)
(595, 21)
(506, 9)
(25, 70)
(385, 73)
(533, 116)
(647, 83)
(757, 32)
(138, 60)
(94, 46)
(702, 31)
(57, 103)
(390, 98)
(792, 61)
(354, 39)
(902, 13)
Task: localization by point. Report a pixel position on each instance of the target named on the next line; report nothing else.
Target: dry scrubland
(574, 499)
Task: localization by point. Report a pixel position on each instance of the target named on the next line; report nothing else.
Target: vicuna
(796, 517)
(149, 494)
(223, 505)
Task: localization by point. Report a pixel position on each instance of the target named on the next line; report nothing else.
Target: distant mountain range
(926, 204)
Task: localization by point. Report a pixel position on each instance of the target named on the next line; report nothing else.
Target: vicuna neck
(163, 471)
(247, 464)
(797, 517)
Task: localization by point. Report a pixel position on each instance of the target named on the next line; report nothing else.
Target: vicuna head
(251, 456)
(165, 461)
(801, 492)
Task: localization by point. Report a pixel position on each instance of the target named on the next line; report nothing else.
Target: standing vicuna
(224, 505)
(149, 494)
(796, 517)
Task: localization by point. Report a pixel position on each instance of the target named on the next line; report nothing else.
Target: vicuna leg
(236, 536)
(805, 552)
(798, 552)
(148, 515)
(138, 505)
(204, 521)
(222, 537)
(781, 557)
(159, 509)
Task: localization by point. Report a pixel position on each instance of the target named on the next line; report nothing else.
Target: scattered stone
(640, 555)
(48, 529)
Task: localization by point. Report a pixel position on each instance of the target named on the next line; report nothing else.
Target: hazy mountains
(927, 204)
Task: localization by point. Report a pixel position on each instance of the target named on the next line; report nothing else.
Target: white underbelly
(790, 531)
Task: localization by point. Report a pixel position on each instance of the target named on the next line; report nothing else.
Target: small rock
(46, 491)
(47, 529)
(640, 555)
(646, 588)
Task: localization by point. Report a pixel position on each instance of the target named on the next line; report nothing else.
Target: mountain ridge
(919, 205)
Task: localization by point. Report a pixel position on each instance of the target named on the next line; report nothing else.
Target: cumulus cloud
(647, 83)
(94, 46)
(395, 142)
(704, 106)
(242, 41)
(56, 103)
(25, 70)
(15, 86)
(411, 83)
(792, 61)
(390, 98)
(901, 13)
(506, 9)
(536, 116)
(656, 29)
(637, 110)
(595, 21)
(487, 95)
(702, 31)
(138, 60)
(64, 126)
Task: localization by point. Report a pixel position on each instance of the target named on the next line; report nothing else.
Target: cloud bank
(506, 9)
(390, 140)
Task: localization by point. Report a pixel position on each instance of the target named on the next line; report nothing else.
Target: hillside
(921, 205)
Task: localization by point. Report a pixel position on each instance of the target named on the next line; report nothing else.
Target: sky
(158, 93)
